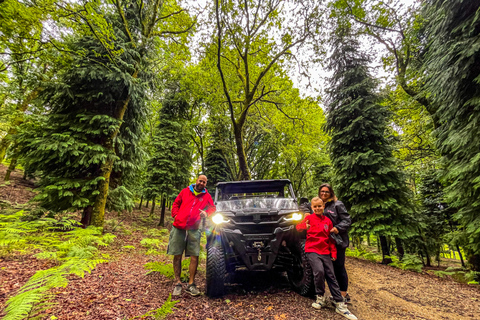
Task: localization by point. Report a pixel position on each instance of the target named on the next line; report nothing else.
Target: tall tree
(367, 179)
(398, 28)
(453, 69)
(168, 169)
(98, 108)
(253, 40)
(216, 161)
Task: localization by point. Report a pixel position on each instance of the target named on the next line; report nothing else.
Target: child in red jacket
(321, 250)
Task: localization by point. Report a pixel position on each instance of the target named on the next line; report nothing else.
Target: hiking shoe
(346, 299)
(320, 302)
(341, 308)
(177, 290)
(192, 289)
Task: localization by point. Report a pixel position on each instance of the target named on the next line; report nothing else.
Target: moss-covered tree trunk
(10, 169)
(98, 212)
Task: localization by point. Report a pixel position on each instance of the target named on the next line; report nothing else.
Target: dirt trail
(121, 289)
(383, 292)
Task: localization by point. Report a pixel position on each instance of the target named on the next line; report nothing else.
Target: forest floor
(122, 289)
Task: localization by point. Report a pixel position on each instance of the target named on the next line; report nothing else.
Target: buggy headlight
(294, 217)
(218, 218)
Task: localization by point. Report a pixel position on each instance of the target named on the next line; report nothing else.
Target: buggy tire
(301, 277)
(215, 271)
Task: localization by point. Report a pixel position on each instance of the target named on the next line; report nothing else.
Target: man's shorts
(184, 240)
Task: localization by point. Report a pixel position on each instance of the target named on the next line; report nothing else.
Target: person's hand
(333, 259)
(334, 230)
(307, 224)
(203, 214)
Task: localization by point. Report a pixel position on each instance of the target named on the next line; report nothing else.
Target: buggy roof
(253, 186)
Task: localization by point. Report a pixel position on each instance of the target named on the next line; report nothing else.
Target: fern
(409, 262)
(150, 243)
(166, 269)
(162, 312)
(75, 250)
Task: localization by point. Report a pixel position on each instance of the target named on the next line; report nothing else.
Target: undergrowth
(75, 250)
(161, 312)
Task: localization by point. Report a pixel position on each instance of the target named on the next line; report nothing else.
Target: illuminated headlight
(294, 217)
(218, 218)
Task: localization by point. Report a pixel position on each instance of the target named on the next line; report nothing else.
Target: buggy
(254, 229)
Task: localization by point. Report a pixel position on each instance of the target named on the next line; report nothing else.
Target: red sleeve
(210, 205)
(302, 225)
(176, 204)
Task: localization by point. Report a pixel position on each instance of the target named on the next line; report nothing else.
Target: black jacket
(335, 211)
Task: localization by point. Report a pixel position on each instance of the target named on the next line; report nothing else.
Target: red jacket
(186, 208)
(318, 236)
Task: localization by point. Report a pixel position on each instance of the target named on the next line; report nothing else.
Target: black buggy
(254, 229)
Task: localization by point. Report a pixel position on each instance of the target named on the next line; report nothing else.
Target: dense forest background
(109, 103)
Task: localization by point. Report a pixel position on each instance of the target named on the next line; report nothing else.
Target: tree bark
(86, 216)
(162, 215)
(140, 206)
(400, 250)
(153, 206)
(98, 213)
(242, 158)
(460, 255)
(385, 250)
(10, 169)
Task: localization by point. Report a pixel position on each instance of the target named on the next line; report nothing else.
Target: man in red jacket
(191, 205)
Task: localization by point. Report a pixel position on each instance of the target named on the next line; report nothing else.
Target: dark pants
(323, 269)
(339, 268)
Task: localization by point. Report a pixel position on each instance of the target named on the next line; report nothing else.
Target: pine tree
(366, 177)
(89, 128)
(169, 168)
(453, 70)
(89, 144)
(216, 163)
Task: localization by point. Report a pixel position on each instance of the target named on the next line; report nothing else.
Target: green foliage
(217, 159)
(364, 254)
(166, 269)
(408, 262)
(150, 243)
(452, 66)
(168, 170)
(367, 179)
(161, 312)
(75, 250)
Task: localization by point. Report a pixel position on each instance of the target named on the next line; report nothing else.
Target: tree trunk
(10, 169)
(242, 158)
(86, 216)
(460, 255)
(153, 207)
(98, 213)
(385, 250)
(162, 215)
(4, 146)
(140, 206)
(400, 250)
(369, 242)
(146, 204)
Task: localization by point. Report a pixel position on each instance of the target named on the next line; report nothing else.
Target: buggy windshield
(254, 203)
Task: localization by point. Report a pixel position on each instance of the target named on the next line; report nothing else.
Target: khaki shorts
(184, 240)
